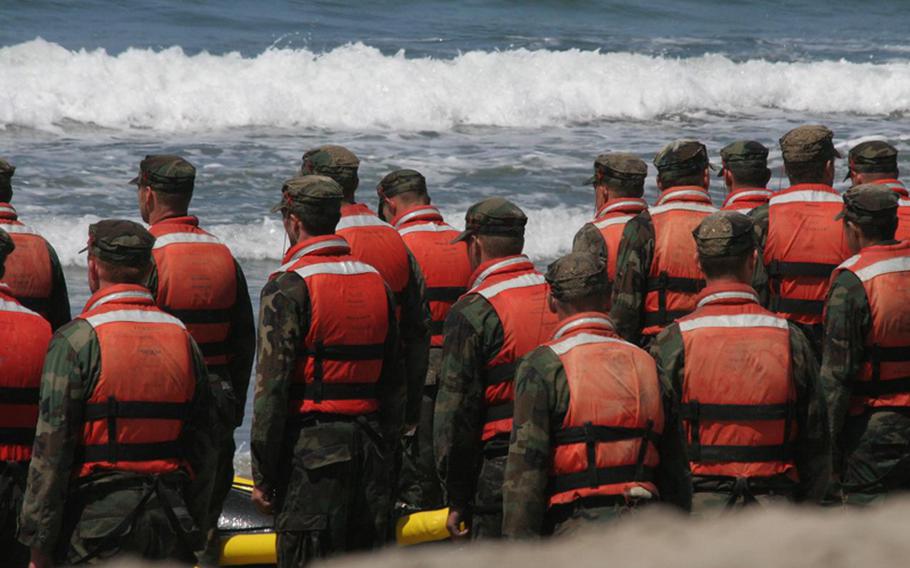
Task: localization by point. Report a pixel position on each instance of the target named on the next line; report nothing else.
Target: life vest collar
(132, 294)
(632, 205)
(806, 192)
(8, 303)
(591, 322)
(417, 213)
(895, 185)
(727, 293)
(358, 215)
(190, 220)
(324, 245)
(896, 263)
(747, 192)
(504, 265)
(694, 193)
(8, 212)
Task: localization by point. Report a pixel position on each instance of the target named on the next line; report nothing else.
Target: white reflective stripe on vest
(683, 192)
(334, 243)
(425, 228)
(683, 206)
(419, 212)
(184, 238)
(133, 316)
(7, 306)
(496, 266)
(361, 221)
(903, 202)
(121, 296)
(523, 281)
(341, 268)
(7, 209)
(899, 264)
(570, 343)
(728, 296)
(18, 229)
(738, 320)
(613, 206)
(755, 193)
(806, 196)
(614, 221)
(849, 262)
(579, 322)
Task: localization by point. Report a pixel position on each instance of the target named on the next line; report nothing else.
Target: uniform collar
(810, 187)
(417, 213)
(325, 245)
(8, 212)
(597, 323)
(727, 293)
(6, 292)
(626, 205)
(517, 263)
(895, 185)
(191, 220)
(684, 193)
(132, 294)
(748, 194)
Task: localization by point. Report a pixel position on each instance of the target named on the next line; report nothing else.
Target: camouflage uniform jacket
(284, 321)
(71, 371)
(541, 403)
(760, 276)
(591, 237)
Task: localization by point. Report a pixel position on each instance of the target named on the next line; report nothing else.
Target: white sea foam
(357, 87)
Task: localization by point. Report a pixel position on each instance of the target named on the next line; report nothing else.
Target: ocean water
(496, 97)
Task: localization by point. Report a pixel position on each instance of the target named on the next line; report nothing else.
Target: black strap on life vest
(317, 391)
(778, 270)
(500, 411)
(445, 293)
(18, 395)
(39, 305)
(695, 412)
(436, 327)
(793, 306)
(665, 283)
(503, 373)
(17, 435)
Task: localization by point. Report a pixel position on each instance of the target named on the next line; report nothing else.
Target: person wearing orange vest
(195, 278)
(595, 432)
(329, 405)
(124, 452)
(503, 316)
(445, 266)
(619, 183)
(657, 279)
(33, 272)
(866, 356)
(746, 380)
(746, 175)
(25, 338)
(799, 242)
(378, 244)
(875, 162)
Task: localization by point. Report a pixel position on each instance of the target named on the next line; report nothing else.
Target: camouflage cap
(874, 156)
(402, 181)
(744, 155)
(167, 173)
(808, 143)
(120, 242)
(6, 244)
(869, 204)
(725, 233)
(494, 216)
(576, 275)
(618, 165)
(683, 157)
(6, 172)
(336, 162)
(309, 191)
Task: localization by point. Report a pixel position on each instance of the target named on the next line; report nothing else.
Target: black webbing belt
(202, 316)
(694, 412)
(792, 306)
(778, 269)
(499, 374)
(17, 436)
(436, 327)
(346, 391)
(500, 411)
(445, 293)
(877, 355)
(665, 283)
(18, 395)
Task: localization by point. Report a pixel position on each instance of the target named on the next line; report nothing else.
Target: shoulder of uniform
(288, 284)
(668, 338)
(475, 310)
(760, 212)
(78, 333)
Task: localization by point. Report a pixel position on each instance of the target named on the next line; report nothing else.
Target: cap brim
(712, 167)
(840, 215)
(589, 181)
(83, 250)
(134, 181)
(846, 177)
(720, 172)
(837, 153)
(463, 236)
(278, 207)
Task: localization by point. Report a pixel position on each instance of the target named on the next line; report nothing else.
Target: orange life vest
(746, 199)
(518, 295)
(610, 221)
(884, 380)
(804, 245)
(738, 394)
(197, 283)
(135, 416)
(28, 270)
(675, 278)
(444, 264)
(376, 243)
(340, 360)
(607, 442)
(25, 339)
(903, 211)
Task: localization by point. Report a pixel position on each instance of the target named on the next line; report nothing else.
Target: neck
(729, 280)
(163, 214)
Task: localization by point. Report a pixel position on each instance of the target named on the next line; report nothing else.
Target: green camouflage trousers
(876, 450)
(486, 520)
(12, 486)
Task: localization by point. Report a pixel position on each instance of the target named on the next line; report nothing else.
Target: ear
(706, 178)
(728, 177)
(551, 302)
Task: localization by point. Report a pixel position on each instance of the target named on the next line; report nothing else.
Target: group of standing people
(705, 358)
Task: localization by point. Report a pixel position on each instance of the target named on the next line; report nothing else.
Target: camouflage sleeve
(242, 344)
(199, 440)
(414, 330)
(847, 324)
(70, 370)
(674, 479)
(813, 452)
(541, 402)
(283, 318)
(633, 263)
(472, 333)
(760, 276)
(392, 382)
(588, 239)
(58, 310)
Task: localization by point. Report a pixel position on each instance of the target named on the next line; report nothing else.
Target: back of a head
(873, 209)
(807, 150)
(682, 162)
(747, 162)
(875, 159)
(578, 281)
(409, 186)
(498, 224)
(6, 183)
(623, 174)
(7, 246)
(336, 162)
(122, 250)
(315, 200)
(725, 241)
(171, 177)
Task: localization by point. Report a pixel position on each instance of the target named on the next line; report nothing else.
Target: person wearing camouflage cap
(503, 316)
(799, 241)
(656, 280)
(329, 403)
(864, 357)
(730, 338)
(619, 183)
(875, 162)
(24, 337)
(127, 422)
(33, 272)
(445, 266)
(746, 174)
(196, 278)
(586, 385)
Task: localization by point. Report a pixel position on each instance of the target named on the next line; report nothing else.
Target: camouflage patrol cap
(682, 157)
(725, 233)
(744, 155)
(120, 242)
(6, 172)
(808, 143)
(576, 275)
(494, 216)
(6, 244)
(336, 162)
(402, 181)
(167, 173)
(309, 191)
(618, 165)
(869, 204)
(874, 156)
